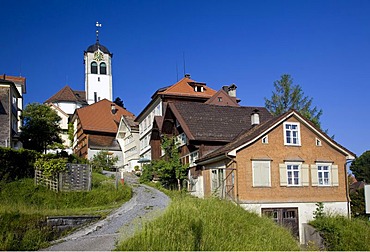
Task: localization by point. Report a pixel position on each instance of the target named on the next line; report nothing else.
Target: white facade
(146, 125)
(68, 107)
(98, 84)
(128, 139)
(305, 211)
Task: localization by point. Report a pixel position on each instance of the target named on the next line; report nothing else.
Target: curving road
(146, 203)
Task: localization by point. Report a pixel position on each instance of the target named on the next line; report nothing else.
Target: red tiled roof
(66, 94)
(185, 87)
(17, 80)
(99, 116)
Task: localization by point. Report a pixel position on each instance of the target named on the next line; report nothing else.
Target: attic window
(265, 140)
(318, 142)
(198, 88)
(219, 99)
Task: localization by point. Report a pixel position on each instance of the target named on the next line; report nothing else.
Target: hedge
(17, 164)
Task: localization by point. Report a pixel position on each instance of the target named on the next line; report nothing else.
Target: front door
(287, 217)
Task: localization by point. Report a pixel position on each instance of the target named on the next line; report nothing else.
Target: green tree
(360, 167)
(40, 127)
(289, 96)
(103, 160)
(170, 169)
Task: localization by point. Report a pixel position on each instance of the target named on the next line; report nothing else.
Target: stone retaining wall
(63, 223)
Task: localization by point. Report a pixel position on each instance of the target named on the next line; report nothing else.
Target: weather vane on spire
(98, 25)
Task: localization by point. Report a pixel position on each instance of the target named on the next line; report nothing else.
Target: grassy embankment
(24, 208)
(211, 224)
(342, 234)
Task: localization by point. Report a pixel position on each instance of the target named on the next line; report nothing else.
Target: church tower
(98, 72)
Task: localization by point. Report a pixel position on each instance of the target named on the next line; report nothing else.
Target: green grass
(344, 234)
(24, 208)
(210, 224)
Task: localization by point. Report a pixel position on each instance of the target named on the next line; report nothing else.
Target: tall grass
(211, 224)
(341, 233)
(24, 207)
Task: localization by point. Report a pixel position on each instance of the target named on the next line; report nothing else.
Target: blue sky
(324, 45)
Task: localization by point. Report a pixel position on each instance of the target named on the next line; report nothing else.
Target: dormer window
(103, 68)
(94, 67)
(198, 88)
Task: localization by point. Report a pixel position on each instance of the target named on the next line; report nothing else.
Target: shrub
(17, 164)
(341, 233)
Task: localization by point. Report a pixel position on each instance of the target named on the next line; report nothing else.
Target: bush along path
(145, 204)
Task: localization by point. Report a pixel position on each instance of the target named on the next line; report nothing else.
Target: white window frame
(256, 164)
(323, 172)
(291, 133)
(293, 177)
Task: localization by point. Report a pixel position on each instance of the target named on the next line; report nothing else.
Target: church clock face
(98, 56)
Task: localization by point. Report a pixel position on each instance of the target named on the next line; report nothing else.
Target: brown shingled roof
(250, 135)
(66, 94)
(207, 122)
(99, 116)
(103, 142)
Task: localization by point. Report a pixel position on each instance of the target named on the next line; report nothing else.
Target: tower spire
(98, 25)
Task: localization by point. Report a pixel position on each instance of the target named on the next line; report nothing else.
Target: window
(323, 174)
(198, 89)
(291, 134)
(103, 68)
(265, 139)
(181, 139)
(261, 173)
(293, 174)
(318, 142)
(94, 67)
(219, 99)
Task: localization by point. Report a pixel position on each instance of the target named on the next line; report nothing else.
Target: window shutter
(283, 176)
(265, 168)
(334, 175)
(305, 175)
(314, 177)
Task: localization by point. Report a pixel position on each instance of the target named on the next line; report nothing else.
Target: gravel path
(145, 204)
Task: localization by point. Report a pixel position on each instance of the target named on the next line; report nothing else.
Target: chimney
(255, 117)
(113, 108)
(187, 76)
(232, 90)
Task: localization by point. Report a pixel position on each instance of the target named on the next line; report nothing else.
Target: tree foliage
(40, 127)
(289, 96)
(103, 160)
(169, 169)
(360, 167)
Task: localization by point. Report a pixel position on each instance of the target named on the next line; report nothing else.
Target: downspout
(347, 189)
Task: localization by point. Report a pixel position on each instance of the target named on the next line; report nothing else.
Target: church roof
(99, 46)
(66, 94)
(98, 116)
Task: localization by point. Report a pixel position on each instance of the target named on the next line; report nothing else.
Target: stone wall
(64, 223)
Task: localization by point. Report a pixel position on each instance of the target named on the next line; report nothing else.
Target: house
(185, 89)
(64, 103)
(128, 138)
(95, 129)
(201, 128)
(9, 114)
(280, 168)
